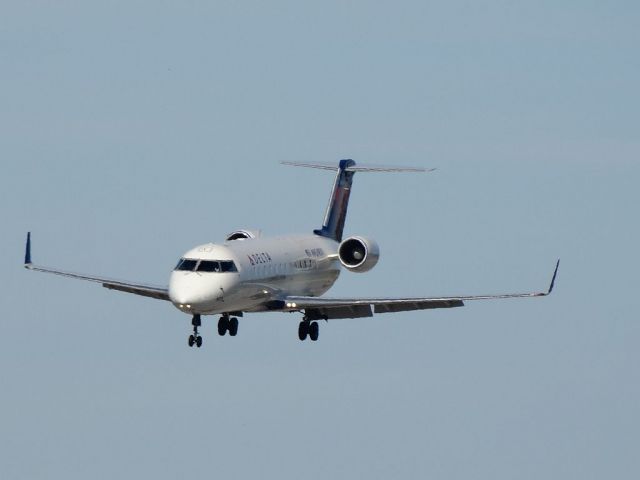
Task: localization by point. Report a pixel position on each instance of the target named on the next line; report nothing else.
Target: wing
(153, 291)
(317, 308)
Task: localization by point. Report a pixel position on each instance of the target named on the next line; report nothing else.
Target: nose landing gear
(195, 339)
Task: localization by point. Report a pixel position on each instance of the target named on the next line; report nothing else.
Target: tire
(223, 325)
(314, 331)
(199, 342)
(233, 326)
(303, 330)
(192, 340)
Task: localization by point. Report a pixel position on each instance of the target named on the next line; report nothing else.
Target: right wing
(146, 290)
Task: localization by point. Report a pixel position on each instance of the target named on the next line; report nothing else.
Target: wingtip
(27, 253)
(553, 279)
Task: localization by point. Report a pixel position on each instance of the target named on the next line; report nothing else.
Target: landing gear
(233, 326)
(228, 324)
(223, 324)
(310, 329)
(314, 331)
(195, 339)
(303, 330)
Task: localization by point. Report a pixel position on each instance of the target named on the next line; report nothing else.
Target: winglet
(553, 280)
(27, 253)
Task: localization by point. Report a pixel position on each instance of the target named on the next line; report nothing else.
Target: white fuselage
(264, 270)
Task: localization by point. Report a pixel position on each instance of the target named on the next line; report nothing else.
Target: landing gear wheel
(195, 338)
(314, 331)
(303, 330)
(233, 326)
(223, 325)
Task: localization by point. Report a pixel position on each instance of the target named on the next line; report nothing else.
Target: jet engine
(359, 254)
(242, 235)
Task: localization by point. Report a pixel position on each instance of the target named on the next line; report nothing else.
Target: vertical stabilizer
(336, 214)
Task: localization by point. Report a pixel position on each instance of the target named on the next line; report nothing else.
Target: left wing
(153, 291)
(317, 308)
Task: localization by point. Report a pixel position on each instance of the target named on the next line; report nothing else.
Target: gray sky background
(134, 130)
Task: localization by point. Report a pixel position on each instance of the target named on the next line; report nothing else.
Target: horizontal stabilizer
(358, 168)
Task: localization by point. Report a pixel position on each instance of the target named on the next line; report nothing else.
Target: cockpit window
(228, 266)
(208, 266)
(186, 264)
(190, 265)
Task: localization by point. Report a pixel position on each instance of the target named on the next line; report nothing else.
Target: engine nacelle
(359, 254)
(242, 235)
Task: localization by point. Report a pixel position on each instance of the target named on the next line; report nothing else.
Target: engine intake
(359, 254)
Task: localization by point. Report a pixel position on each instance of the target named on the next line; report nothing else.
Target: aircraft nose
(181, 297)
(184, 291)
(196, 293)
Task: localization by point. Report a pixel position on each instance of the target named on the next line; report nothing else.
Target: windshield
(228, 266)
(216, 266)
(186, 264)
(208, 266)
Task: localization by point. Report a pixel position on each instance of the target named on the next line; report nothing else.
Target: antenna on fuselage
(336, 212)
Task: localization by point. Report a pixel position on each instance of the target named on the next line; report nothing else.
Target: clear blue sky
(134, 130)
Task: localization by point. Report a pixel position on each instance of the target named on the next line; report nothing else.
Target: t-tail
(336, 213)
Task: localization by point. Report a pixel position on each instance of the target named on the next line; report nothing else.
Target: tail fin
(336, 213)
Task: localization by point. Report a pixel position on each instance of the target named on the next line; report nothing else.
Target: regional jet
(250, 273)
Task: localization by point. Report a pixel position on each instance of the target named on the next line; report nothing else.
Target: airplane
(250, 273)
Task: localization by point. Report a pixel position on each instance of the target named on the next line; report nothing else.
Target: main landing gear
(195, 339)
(228, 324)
(307, 328)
